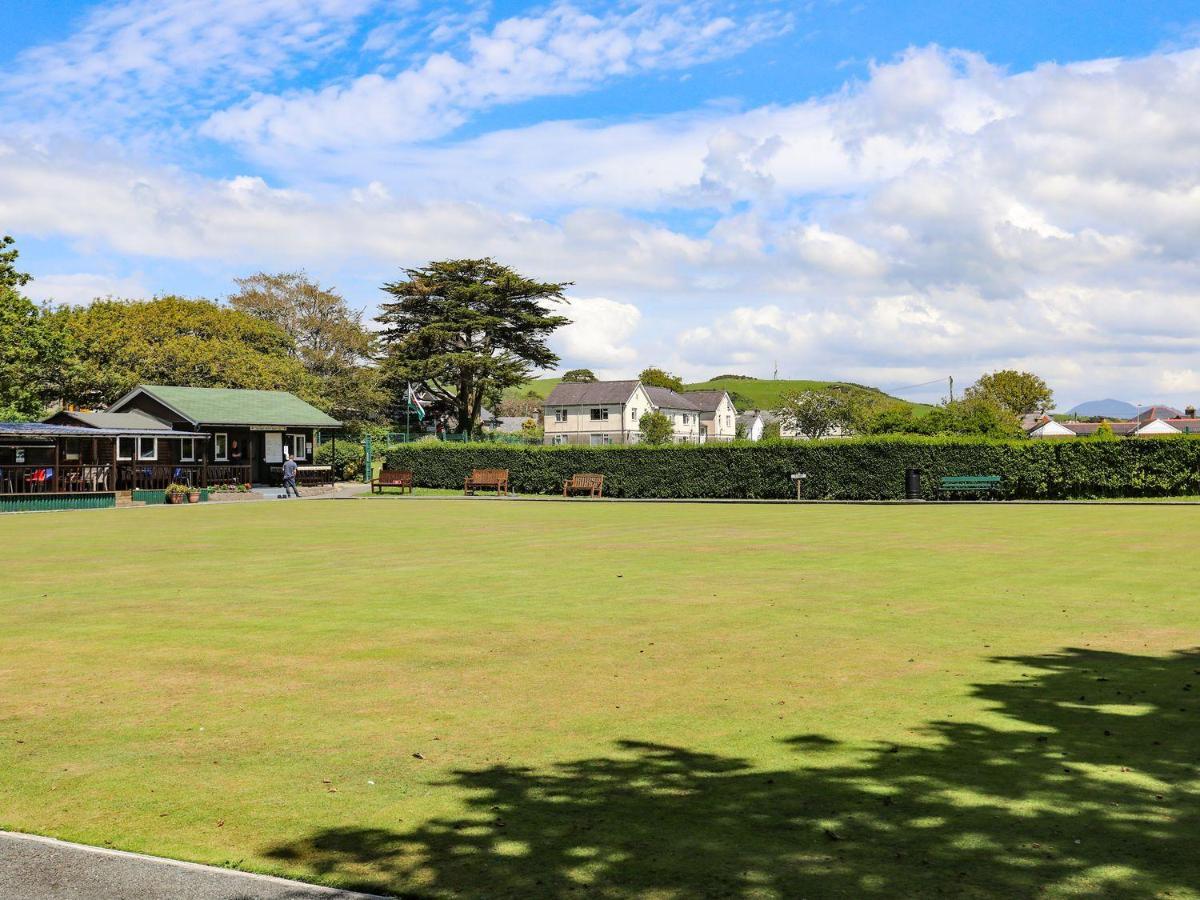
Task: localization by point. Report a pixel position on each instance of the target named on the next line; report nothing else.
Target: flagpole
(407, 410)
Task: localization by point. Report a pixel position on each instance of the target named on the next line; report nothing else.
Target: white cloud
(83, 287)
(599, 334)
(562, 50)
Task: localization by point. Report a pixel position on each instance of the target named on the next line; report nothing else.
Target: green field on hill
(503, 699)
(762, 393)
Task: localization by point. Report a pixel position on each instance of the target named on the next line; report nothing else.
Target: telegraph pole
(951, 388)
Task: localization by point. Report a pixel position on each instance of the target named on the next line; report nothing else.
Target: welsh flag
(414, 405)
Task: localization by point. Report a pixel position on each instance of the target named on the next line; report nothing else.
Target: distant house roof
(233, 406)
(1084, 429)
(1051, 428)
(123, 420)
(748, 418)
(1186, 425)
(665, 397)
(706, 401)
(576, 394)
(1158, 412)
(49, 430)
(506, 424)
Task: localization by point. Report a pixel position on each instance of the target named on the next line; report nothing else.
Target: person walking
(289, 478)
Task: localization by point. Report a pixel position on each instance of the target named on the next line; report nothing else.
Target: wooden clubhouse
(155, 436)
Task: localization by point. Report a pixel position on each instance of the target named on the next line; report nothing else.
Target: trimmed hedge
(853, 469)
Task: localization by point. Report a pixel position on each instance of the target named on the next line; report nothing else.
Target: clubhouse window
(125, 447)
(187, 450)
(147, 449)
(296, 445)
(221, 447)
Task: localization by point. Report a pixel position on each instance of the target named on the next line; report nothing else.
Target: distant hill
(759, 393)
(1113, 409)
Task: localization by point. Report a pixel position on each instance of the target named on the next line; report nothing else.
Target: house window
(600, 414)
(125, 447)
(71, 449)
(729, 421)
(633, 413)
(685, 418)
(558, 439)
(597, 439)
(187, 450)
(296, 445)
(221, 447)
(147, 448)
(560, 414)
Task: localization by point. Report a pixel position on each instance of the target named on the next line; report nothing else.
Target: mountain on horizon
(1116, 409)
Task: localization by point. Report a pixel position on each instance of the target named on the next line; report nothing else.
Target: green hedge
(855, 469)
(347, 463)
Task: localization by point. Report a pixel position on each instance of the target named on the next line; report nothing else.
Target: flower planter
(193, 497)
(174, 498)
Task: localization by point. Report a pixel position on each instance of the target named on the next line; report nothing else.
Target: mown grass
(622, 700)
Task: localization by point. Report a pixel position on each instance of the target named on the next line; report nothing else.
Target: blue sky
(877, 191)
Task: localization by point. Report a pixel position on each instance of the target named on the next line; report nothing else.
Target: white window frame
(129, 456)
(560, 414)
(599, 414)
(558, 439)
(599, 440)
(296, 445)
(189, 454)
(633, 413)
(142, 457)
(685, 419)
(221, 446)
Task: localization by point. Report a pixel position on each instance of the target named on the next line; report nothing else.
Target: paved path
(38, 868)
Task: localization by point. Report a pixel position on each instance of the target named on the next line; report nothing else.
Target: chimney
(1189, 412)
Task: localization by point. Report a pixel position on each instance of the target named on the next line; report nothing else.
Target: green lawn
(614, 700)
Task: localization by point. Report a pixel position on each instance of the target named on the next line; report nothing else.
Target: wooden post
(112, 471)
(57, 467)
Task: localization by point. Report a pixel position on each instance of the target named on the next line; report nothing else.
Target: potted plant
(193, 495)
(176, 492)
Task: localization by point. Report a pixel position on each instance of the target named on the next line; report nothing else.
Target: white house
(609, 412)
(753, 424)
(599, 412)
(1051, 428)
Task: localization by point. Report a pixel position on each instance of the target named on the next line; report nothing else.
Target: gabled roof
(135, 419)
(48, 430)
(577, 394)
(1158, 412)
(706, 401)
(748, 417)
(665, 397)
(1088, 428)
(234, 406)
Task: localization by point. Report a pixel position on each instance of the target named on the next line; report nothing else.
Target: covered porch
(40, 459)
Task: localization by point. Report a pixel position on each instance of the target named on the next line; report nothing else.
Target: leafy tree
(1105, 433)
(656, 377)
(1018, 392)
(531, 431)
(528, 405)
(656, 428)
(771, 431)
(463, 330)
(740, 401)
(171, 340)
(728, 377)
(328, 338)
(33, 353)
(973, 415)
(9, 276)
(739, 431)
(579, 376)
(813, 414)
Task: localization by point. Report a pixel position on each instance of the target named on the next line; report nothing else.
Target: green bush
(853, 469)
(347, 463)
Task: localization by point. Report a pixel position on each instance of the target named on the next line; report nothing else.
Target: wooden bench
(496, 479)
(968, 484)
(584, 481)
(392, 478)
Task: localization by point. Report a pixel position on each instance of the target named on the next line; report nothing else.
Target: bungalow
(155, 436)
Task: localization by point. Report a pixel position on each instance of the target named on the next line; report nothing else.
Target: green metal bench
(968, 484)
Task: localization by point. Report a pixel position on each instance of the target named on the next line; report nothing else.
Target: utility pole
(951, 388)
(775, 377)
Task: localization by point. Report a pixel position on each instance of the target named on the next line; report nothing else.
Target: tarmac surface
(38, 868)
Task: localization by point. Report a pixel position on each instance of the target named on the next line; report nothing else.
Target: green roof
(231, 406)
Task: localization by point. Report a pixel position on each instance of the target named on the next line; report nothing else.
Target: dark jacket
(289, 469)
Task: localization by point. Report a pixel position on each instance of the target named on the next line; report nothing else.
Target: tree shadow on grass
(1088, 787)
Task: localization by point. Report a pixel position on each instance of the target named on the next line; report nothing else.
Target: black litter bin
(912, 484)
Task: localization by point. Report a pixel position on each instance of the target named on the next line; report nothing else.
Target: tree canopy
(814, 414)
(656, 428)
(463, 330)
(579, 376)
(328, 339)
(9, 276)
(172, 340)
(653, 376)
(33, 353)
(1018, 392)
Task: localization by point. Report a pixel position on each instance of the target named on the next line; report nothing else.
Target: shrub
(656, 428)
(347, 463)
(851, 469)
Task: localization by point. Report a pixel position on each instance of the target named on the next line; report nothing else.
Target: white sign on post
(273, 447)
